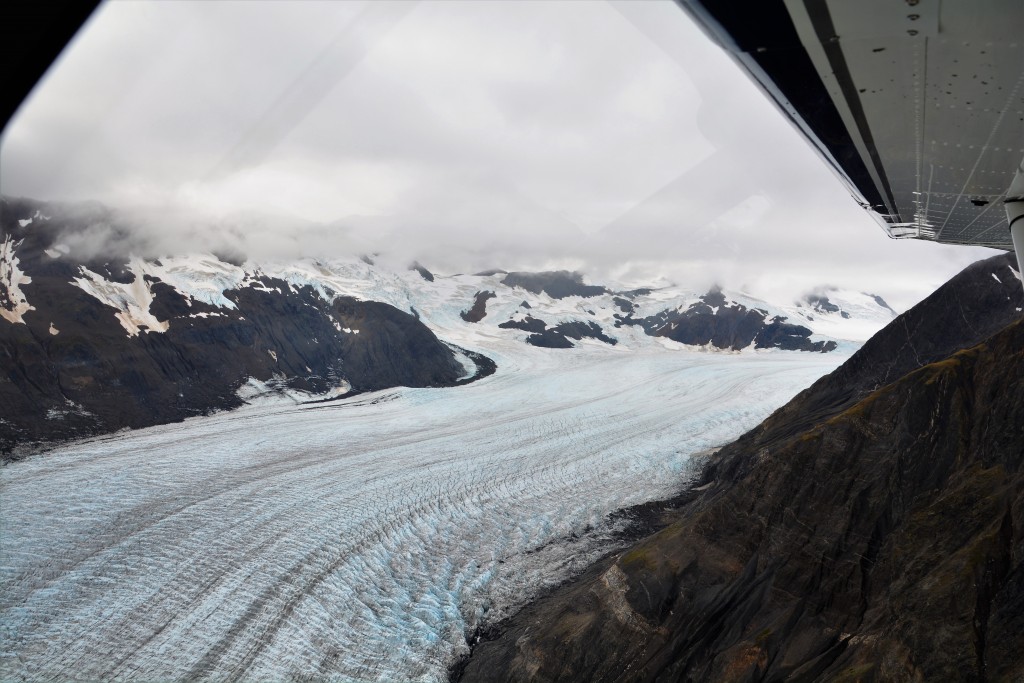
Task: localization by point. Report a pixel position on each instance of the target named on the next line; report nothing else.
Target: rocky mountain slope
(868, 530)
(92, 347)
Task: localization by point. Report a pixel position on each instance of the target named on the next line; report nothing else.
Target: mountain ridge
(95, 342)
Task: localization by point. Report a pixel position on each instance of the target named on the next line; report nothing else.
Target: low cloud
(608, 137)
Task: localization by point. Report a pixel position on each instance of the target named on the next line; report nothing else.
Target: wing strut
(1015, 215)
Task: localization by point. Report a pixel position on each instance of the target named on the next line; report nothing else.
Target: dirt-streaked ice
(355, 540)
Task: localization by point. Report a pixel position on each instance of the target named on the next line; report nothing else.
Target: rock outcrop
(559, 336)
(558, 284)
(478, 310)
(871, 529)
(714, 320)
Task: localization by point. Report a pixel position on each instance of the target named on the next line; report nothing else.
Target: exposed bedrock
(478, 310)
(559, 336)
(871, 529)
(715, 321)
(558, 284)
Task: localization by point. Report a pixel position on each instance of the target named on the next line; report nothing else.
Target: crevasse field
(362, 539)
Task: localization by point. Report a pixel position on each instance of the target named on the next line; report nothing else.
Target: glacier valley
(357, 539)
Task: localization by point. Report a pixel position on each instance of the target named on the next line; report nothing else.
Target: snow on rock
(843, 314)
(440, 303)
(131, 300)
(277, 392)
(53, 330)
(13, 304)
(25, 222)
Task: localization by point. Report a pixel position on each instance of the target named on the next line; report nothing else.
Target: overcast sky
(614, 138)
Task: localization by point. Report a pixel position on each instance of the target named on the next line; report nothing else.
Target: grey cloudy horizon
(608, 137)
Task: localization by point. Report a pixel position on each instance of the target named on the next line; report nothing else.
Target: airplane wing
(918, 105)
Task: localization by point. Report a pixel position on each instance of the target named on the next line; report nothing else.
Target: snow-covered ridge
(844, 314)
(543, 308)
(442, 302)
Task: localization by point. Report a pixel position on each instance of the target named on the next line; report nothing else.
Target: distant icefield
(362, 539)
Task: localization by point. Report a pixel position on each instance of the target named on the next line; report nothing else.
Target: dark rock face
(869, 530)
(821, 304)
(625, 305)
(424, 273)
(965, 311)
(479, 308)
(549, 339)
(782, 335)
(557, 337)
(557, 284)
(577, 330)
(527, 324)
(725, 325)
(91, 377)
(881, 302)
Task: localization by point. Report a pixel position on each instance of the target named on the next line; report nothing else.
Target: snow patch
(996, 278)
(13, 304)
(71, 409)
(276, 391)
(131, 300)
(53, 330)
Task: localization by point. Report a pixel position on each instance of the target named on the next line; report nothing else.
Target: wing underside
(918, 105)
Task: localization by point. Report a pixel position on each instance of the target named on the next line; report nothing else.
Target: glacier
(361, 539)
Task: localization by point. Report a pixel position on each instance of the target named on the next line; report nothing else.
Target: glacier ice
(359, 539)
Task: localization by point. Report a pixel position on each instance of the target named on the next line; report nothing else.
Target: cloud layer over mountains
(611, 137)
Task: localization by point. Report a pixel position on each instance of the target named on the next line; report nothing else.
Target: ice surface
(201, 277)
(360, 539)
